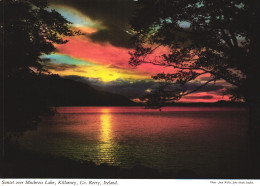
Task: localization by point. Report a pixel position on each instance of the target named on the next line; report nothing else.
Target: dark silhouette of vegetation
(29, 29)
(218, 38)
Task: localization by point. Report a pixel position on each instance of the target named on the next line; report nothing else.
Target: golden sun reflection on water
(107, 145)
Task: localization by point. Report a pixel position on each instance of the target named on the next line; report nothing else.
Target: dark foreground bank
(19, 163)
(27, 164)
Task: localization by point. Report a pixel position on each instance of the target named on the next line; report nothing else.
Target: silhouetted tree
(29, 29)
(219, 38)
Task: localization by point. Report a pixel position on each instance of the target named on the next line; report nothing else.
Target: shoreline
(27, 164)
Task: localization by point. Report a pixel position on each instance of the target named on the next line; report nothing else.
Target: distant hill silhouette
(220, 103)
(66, 92)
(52, 90)
(28, 97)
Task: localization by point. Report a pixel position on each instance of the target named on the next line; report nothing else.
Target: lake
(206, 140)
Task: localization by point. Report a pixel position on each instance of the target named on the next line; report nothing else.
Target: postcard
(130, 89)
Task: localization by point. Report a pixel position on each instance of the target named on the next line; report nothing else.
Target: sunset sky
(100, 56)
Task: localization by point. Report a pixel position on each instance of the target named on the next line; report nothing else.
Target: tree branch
(234, 39)
(218, 76)
(175, 66)
(226, 38)
(199, 87)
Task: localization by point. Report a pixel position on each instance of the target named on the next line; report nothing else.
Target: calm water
(206, 140)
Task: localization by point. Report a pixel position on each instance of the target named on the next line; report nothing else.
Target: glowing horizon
(103, 61)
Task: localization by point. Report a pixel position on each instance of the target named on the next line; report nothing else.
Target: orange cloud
(83, 48)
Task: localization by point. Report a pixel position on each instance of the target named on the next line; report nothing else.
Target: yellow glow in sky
(100, 72)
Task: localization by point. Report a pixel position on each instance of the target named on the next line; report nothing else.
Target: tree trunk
(252, 88)
(253, 72)
(254, 124)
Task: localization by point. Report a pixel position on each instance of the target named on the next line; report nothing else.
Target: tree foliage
(30, 29)
(202, 37)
